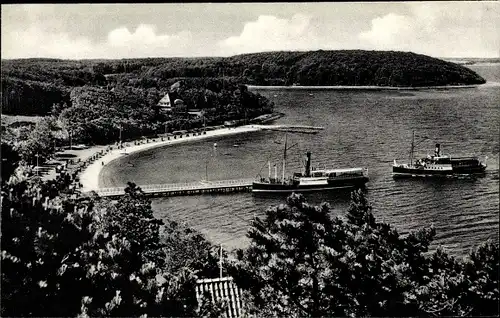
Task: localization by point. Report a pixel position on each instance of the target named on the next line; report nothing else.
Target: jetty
(293, 128)
(186, 188)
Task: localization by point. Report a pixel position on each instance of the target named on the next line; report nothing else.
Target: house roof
(165, 99)
(221, 289)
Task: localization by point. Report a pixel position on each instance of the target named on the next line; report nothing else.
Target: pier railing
(184, 188)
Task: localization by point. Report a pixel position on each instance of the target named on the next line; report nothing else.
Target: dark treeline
(28, 97)
(378, 68)
(96, 115)
(24, 81)
(90, 109)
(102, 115)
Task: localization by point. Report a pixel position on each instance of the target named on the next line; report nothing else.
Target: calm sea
(362, 129)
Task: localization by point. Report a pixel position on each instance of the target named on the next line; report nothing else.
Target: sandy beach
(361, 88)
(89, 178)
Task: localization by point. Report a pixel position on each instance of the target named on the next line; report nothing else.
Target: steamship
(437, 165)
(311, 179)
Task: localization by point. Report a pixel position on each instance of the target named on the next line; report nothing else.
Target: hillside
(31, 86)
(352, 68)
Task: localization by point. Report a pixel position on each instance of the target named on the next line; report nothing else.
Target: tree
(303, 262)
(10, 160)
(39, 141)
(283, 268)
(462, 288)
(87, 257)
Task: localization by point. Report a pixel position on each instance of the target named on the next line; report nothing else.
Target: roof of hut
(221, 289)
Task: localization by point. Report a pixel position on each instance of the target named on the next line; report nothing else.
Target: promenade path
(86, 164)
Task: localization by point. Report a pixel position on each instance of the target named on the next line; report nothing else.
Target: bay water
(361, 129)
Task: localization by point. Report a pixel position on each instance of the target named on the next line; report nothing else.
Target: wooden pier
(190, 188)
(293, 128)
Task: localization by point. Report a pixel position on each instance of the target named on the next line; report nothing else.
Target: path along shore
(89, 177)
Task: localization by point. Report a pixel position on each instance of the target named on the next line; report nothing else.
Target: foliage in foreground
(302, 262)
(93, 257)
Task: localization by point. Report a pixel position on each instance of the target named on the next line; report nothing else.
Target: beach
(89, 178)
(360, 87)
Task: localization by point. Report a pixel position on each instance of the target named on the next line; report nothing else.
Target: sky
(83, 31)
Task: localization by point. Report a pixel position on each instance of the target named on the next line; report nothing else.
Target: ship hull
(469, 170)
(265, 187)
(422, 172)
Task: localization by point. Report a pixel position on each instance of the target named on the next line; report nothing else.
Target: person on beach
(102, 163)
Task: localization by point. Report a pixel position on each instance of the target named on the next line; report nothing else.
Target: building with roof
(221, 289)
(165, 103)
(177, 106)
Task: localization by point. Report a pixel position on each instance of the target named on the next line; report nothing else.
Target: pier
(189, 188)
(293, 128)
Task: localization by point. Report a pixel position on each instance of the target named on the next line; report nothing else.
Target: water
(362, 129)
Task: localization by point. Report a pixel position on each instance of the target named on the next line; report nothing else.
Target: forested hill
(351, 68)
(33, 85)
(346, 67)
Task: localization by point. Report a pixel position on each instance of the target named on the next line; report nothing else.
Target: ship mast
(284, 161)
(206, 170)
(412, 147)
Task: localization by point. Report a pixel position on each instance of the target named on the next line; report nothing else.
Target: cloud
(121, 43)
(387, 30)
(269, 33)
(145, 42)
(443, 30)
(145, 36)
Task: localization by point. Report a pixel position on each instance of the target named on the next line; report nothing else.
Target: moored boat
(311, 179)
(437, 165)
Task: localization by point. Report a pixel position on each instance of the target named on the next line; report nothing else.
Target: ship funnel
(308, 164)
(438, 150)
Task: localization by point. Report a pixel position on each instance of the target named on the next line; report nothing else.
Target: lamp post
(220, 261)
(36, 163)
(206, 170)
(70, 139)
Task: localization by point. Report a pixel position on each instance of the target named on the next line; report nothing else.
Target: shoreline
(361, 88)
(89, 177)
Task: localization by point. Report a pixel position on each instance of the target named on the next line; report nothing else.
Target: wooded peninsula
(102, 101)
(32, 86)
